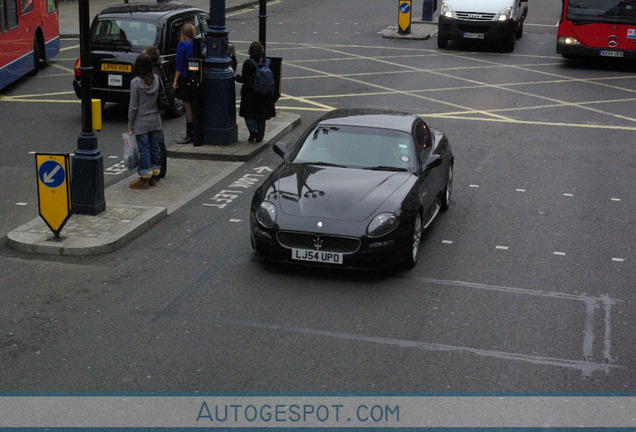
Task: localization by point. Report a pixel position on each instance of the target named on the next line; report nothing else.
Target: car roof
(382, 119)
(146, 9)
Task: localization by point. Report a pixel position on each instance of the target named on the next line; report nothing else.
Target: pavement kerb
(129, 213)
(35, 236)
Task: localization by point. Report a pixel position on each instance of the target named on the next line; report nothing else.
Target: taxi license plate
(473, 35)
(115, 80)
(116, 67)
(608, 53)
(317, 256)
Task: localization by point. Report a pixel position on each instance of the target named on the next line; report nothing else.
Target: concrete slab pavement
(130, 212)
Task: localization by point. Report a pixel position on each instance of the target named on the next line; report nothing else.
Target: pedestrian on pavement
(185, 50)
(255, 109)
(155, 57)
(144, 121)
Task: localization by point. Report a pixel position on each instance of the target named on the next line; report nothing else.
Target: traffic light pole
(87, 179)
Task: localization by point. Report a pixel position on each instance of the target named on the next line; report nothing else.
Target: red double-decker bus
(597, 28)
(29, 36)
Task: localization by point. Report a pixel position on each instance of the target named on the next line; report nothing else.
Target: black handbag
(163, 102)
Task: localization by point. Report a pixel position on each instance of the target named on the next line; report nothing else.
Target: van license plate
(608, 53)
(473, 35)
(115, 80)
(317, 256)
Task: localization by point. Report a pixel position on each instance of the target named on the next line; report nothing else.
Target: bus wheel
(39, 58)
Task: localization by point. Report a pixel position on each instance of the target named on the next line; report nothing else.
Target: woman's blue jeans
(258, 126)
(149, 152)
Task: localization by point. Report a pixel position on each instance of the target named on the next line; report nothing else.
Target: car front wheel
(416, 239)
(448, 189)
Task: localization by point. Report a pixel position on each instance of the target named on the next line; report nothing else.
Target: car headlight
(266, 214)
(506, 14)
(446, 11)
(568, 40)
(382, 224)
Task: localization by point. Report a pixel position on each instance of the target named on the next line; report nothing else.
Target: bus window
(3, 18)
(12, 14)
(26, 6)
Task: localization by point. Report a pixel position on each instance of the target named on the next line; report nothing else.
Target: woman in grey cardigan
(144, 121)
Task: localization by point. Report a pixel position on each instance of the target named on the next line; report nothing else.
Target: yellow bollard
(96, 105)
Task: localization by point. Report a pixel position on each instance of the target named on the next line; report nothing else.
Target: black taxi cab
(120, 33)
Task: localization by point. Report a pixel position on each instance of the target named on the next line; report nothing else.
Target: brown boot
(141, 183)
(155, 178)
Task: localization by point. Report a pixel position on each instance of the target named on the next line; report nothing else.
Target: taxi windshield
(123, 34)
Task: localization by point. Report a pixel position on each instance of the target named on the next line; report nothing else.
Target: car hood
(488, 6)
(329, 192)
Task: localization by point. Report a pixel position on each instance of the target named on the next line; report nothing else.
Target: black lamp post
(262, 22)
(219, 106)
(87, 179)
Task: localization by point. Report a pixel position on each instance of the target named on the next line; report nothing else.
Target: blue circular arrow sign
(404, 8)
(51, 174)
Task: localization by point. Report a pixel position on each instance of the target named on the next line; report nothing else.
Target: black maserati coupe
(356, 190)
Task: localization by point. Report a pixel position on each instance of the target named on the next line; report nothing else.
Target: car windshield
(357, 147)
(612, 11)
(118, 34)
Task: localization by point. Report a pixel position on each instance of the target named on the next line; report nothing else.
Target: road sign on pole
(54, 189)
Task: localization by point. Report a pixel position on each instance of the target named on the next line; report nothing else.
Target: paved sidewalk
(130, 212)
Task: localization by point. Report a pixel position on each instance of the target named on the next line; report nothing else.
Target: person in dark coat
(254, 109)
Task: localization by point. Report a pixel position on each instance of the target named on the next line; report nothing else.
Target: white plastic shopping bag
(131, 152)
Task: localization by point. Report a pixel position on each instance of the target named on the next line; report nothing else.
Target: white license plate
(317, 256)
(607, 53)
(115, 80)
(473, 35)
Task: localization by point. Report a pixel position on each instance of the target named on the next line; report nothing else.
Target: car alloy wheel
(448, 190)
(416, 239)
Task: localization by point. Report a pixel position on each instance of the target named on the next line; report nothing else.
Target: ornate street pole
(262, 22)
(219, 106)
(87, 180)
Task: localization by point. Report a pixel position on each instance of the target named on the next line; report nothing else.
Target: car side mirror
(280, 148)
(433, 161)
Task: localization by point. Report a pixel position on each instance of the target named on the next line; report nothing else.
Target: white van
(498, 21)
